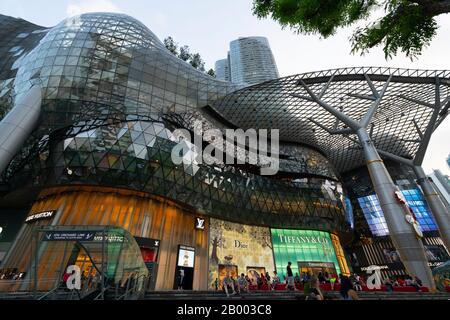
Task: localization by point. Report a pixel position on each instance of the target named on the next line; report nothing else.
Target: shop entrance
(184, 272)
(150, 251)
(314, 268)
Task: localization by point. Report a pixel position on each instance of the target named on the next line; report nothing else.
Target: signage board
(40, 216)
(69, 236)
(200, 223)
(303, 247)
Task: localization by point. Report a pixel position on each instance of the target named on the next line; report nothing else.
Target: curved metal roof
(402, 117)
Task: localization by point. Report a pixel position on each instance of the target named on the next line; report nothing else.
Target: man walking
(290, 277)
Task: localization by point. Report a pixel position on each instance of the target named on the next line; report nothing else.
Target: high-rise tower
(249, 61)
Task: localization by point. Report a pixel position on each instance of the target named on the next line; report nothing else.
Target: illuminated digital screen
(375, 218)
(186, 257)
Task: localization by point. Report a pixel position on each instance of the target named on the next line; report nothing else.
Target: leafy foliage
(194, 59)
(407, 25)
(184, 55)
(171, 45)
(211, 72)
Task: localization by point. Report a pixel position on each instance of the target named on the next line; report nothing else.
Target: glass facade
(375, 218)
(297, 246)
(112, 97)
(110, 93)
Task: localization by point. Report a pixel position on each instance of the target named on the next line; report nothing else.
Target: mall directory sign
(301, 246)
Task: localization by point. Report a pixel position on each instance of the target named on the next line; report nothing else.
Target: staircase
(286, 295)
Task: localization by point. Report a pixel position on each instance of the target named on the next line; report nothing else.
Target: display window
(240, 248)
(308, 251)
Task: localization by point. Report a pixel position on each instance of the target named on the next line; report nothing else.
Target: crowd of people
(348, 285)
(243, 282)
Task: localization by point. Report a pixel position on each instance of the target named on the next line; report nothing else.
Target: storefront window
(235, 249)
(308, 251)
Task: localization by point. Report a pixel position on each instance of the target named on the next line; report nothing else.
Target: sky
(207, 27)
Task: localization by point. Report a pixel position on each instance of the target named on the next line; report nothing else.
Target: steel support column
(405, 239)
(440, 212)
(402, 234)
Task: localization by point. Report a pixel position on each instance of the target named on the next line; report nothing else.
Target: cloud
(83, 6)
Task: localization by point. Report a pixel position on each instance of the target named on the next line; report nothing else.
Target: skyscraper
(442, 185)
(250, 61)
(223, 70)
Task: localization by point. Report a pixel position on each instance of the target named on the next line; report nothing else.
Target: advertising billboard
(415, 200)
(312, 251)
(236, 248)
(186, 257)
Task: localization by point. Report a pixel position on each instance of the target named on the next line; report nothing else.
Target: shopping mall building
(89, 110)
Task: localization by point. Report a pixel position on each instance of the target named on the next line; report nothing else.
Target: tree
(194, 60)
(184, 55)
(407, 25)
(211, 72)
(171, 45)
(197, 62)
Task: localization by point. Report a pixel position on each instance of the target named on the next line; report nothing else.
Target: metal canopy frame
(399, 121)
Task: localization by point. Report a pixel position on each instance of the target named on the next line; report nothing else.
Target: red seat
(252, 287)
(280, 287)
(265, 287)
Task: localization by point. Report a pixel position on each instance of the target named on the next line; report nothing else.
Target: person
(180, 279)
(268, 277)
(258, 280)
(297, 279)
(216, 284)
(416, 283)
(235, 284)
(312, 290)
(275, 280)
(389, 285)
(249, 280)
(290, 277)
(263, 281)
(346, 290)
(227, 284)
(395, 282)
(408, 281)
(357, 283)
(332, 281)
(303, 278)
(327, 277)
(321, 278)
(401, 282)
(242, 283)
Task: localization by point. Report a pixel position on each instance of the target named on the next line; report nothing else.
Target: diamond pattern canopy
(397, 126)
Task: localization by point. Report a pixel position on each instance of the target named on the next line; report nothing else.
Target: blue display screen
(349, 212)
(375, 218)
